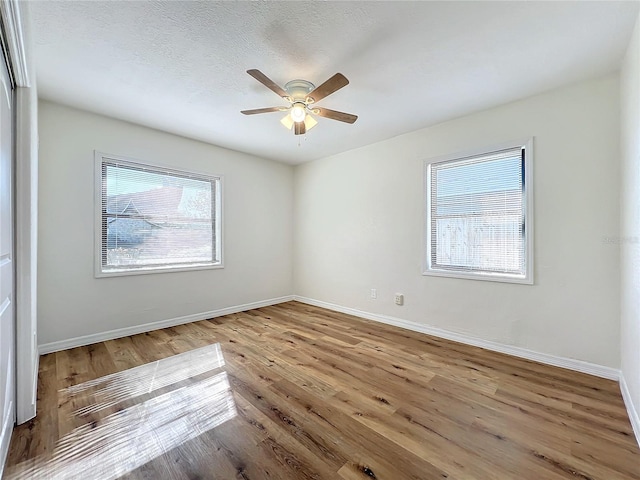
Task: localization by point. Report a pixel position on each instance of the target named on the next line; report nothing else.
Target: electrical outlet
(399, 299)
(374, 293)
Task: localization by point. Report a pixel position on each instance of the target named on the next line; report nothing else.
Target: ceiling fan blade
(335, 115)
(299, 128)
(267, 82)
(263, 110)
(334, 84)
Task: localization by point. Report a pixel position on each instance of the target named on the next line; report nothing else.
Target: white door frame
(14, 17)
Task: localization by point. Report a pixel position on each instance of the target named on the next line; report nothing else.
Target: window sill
(151, 270)
(488, 277)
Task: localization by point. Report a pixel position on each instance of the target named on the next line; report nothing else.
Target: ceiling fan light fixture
(298, 112)
(310, 122)
(287, 121)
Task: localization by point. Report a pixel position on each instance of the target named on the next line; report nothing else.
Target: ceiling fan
(302, 96)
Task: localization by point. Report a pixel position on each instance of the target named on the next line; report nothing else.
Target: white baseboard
(148, 327)
(634, 418)
(5, 437)
(569, 363)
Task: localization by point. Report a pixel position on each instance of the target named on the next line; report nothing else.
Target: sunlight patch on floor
(119, 443)
(111, 389)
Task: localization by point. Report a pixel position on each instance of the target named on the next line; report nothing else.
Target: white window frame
(427, 246)
(101, 158)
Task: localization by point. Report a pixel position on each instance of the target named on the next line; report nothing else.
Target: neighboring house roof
(162, 201)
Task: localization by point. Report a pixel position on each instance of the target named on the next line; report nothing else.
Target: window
(152, 219)
(479, 215)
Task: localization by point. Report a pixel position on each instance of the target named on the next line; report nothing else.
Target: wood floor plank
(330, 426)
(37, 437)
(299, 392)
(284, 446)
(430, 446)
(123, 353)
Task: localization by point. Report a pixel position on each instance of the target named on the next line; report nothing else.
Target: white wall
(358, 221)
(257, 229)
(630, 225)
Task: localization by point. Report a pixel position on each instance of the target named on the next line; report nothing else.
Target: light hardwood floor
(299, 392)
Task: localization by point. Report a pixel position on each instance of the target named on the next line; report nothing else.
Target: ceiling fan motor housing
(298, 90)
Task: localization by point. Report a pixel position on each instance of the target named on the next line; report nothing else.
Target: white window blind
(153, 219)
(477, 215)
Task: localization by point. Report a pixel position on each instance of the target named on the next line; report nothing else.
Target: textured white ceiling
(180, 66)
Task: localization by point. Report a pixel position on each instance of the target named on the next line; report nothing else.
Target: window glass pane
(154, 218)
(489, 243)
(477, 214)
